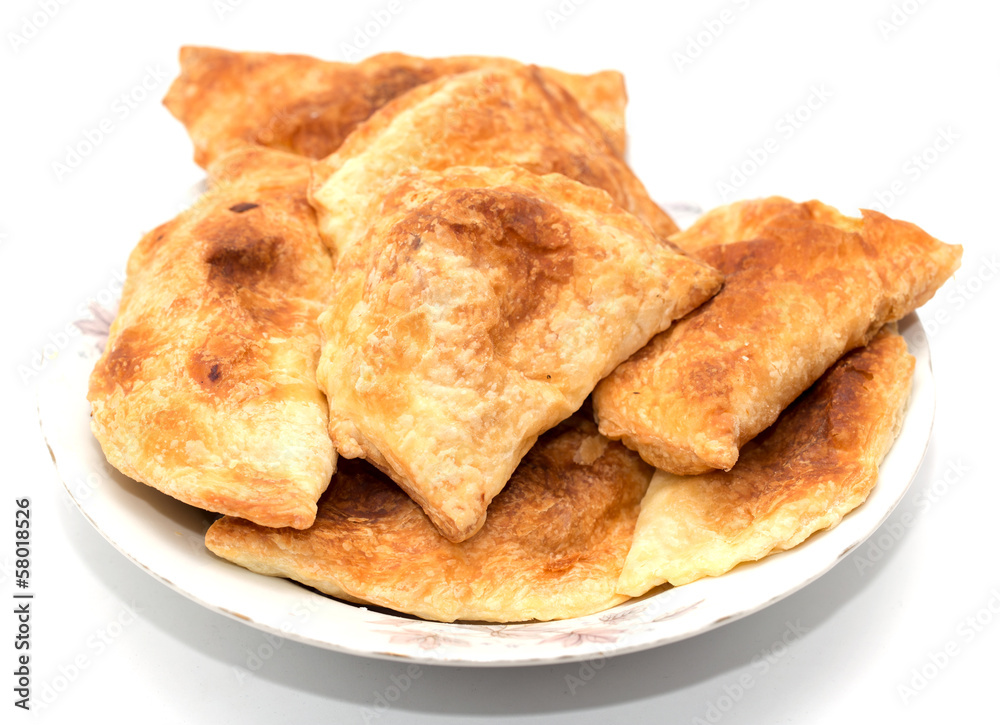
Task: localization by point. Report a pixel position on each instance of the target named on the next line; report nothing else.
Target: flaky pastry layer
(479, 310)
(491, 117)
(804, 474)
(308, 106)
(207, 387)
(803, 286)
(553, 546)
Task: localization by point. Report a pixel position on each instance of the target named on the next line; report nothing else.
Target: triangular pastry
(553, 546)
(492, 117)
(207, 387)
(803, 286)
(804, 474)
(308, 106)
(480, 309)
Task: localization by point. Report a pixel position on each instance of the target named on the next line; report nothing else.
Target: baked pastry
(750, 219)
(805, 286)
(817, 463)
(490, 117)
(308, 106)
(207, 388)
(480, 309)
(553, 546)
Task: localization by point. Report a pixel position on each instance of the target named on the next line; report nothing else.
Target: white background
(893, 76)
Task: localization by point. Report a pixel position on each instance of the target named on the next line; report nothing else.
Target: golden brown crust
(817, 463)
(805, 287)
(553, 547)
(489, 117)
(749, 219)
(307, 106)
(207, 387)
(479, 310)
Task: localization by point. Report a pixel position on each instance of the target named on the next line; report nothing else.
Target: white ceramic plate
(165, 537)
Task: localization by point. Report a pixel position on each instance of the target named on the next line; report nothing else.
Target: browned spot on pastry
(123, 364)
(558, 509)
(243, 206)
(393, 81)
(562, 564)
(242, 260)
(151, 245)
(204, 371)
(867, 375)
(502, 230)
(220, 362)
(317, 125)
(309, 128)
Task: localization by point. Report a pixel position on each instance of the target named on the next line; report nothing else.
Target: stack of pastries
(427, 344)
